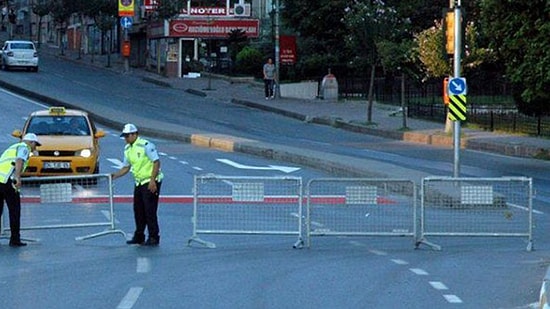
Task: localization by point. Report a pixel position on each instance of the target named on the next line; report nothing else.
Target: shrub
(249, 61)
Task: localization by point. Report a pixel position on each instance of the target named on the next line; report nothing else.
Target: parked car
(70, 143)
(19, 54)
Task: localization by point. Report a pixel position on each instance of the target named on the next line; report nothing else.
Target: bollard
(329, 87)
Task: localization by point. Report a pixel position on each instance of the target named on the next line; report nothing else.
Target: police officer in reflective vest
(13, 162)
(141, 158)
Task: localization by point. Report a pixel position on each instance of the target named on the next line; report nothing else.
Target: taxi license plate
(57, 165)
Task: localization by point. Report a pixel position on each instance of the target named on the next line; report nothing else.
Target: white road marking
(525, 208)
(184, 162)
(438, 285)
(162, 153)
(419, 271)
(399, 262)
(315, 223)
(24, 99)
(143, 265)
(378, 252)
(197, 168)
(355, 243)
(107, 215)
(130, 298)
(172, 158)
(117, 164)
(284, 169)
(453, 299)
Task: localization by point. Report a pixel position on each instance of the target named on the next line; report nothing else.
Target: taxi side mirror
(99, 134)
(17, 133)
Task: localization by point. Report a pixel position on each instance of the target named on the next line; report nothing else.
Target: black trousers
(13, 200)
(268, 87)
(145, 211)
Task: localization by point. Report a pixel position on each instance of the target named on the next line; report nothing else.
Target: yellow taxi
(70, 142)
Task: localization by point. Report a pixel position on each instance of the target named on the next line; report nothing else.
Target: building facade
(196, 36)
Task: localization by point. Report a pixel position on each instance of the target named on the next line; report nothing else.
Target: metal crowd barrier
(246, 205)
(82, 201)
(360, 207)
(500, 207)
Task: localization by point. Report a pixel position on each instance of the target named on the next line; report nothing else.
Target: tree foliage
(519, 34)
(320, 28)
(167, 9)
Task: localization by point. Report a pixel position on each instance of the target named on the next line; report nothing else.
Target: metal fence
(246, 205)
(500, 207)
(70, 202)
(360, 207)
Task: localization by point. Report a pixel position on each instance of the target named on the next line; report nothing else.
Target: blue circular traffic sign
(126, 22)
(457, 86)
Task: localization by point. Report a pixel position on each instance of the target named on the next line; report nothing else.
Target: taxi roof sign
(59, 110)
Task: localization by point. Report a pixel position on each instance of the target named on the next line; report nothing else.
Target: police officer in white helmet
(13, 162)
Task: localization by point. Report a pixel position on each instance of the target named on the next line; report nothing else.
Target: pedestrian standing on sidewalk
(269, 79)
(13, 162)
(141, 158)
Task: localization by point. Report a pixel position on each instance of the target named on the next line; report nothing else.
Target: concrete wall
(302, 90)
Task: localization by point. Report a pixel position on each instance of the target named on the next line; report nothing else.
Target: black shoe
(152, 241)
(135, 241)
(17, 244)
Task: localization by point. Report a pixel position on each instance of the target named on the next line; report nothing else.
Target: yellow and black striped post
(457, 107)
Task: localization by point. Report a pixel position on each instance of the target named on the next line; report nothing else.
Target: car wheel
(35, 69)
(4, 67)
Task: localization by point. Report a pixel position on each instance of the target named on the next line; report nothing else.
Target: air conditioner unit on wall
(241, 9)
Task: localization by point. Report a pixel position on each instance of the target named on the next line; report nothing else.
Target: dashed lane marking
(453, 299)
(143, 265)
(438, 285)
(419, 271)
(378, 252)
(399, 262)
(130, 298)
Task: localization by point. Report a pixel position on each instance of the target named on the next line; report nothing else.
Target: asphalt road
(260, 271)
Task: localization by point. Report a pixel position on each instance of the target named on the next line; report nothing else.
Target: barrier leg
(205, 243)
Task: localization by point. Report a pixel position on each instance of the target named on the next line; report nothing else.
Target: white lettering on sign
(207, 11)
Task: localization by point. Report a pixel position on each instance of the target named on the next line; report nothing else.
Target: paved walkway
(345, 114)
(351, 115)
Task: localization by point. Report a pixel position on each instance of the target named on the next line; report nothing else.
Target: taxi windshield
(59, 125)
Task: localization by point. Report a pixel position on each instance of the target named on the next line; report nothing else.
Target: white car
(21, 54)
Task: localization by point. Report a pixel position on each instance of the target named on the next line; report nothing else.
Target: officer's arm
(17, 172)
(121, 172)
(155, 172)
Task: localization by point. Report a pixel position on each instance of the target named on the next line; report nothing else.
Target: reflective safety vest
(7, 161)
(142, 166)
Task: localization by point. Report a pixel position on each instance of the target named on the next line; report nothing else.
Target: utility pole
(277, 91)
(456, 73)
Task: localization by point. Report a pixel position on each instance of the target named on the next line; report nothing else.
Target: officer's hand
(152, 186)
(17, 182)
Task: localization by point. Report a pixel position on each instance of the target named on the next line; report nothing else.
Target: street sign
(457, 86)
(457, 107)
(126, 22)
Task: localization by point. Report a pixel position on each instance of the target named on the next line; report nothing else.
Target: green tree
(249, 61)
(237, 40)
(319, 26)
(60, 12)
(41, 8)
(370, 23)
(519, 32)
(167, 9)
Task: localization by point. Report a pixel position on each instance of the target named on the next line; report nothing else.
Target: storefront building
(197, 37)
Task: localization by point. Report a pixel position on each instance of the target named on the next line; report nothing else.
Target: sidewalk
(348, 115)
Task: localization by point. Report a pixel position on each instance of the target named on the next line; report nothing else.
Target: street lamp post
(277, 92)
(209, 48)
